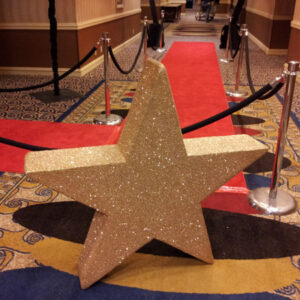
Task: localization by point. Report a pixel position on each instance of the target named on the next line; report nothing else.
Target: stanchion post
(53, 45)
(226, 60)
(145, 29)
(107, 118)
(106, 43)
(161, 48)
(293, 67)
(236, 92)
(272, 200)
(146, 38)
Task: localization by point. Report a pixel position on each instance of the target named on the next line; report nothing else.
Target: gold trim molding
(70, 26)
(295, 24)
(267, 50)
(269, 16)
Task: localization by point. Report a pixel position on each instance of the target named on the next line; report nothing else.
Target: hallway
(43, 231)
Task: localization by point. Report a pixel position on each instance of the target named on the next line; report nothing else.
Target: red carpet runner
(198, 90)
(197, 87)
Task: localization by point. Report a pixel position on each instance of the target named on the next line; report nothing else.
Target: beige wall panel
(92, 9)
(132, 4)
(266, 6)
(297, 11)
(35, 11)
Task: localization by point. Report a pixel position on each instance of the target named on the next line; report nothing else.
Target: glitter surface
(149, 185)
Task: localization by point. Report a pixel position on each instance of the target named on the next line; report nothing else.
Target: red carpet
(228, 201)
(197, 87)
(243, 130)
(51, 135)
(198, 90)
(235, 99)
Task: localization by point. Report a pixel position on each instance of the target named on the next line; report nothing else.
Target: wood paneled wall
(92, 9)
(35, 11)
(297, 11)
(264, 7)
(269, 24)
(80, 24)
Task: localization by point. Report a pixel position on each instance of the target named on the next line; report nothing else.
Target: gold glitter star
(149, 185)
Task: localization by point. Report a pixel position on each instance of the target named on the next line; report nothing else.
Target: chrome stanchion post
(226, 60)
(236, 92)
(161, 48)
(145, 28)
(107, 118)
(272, 200)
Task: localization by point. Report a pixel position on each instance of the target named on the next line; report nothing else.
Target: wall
(297, 12)
(265, 8)
(94, 17)
(80, 24)
(14, 12)
(222, 8)
(269, 24)
(94, 9)
(26, 23)
(146, 10)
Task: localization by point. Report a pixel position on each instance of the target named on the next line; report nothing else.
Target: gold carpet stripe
(171, 274)
(168, 274)
(59, 254)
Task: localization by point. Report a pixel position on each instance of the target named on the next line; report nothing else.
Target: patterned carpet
(21, 247)
(121, 97)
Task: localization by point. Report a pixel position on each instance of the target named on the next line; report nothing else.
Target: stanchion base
(49, 97)
(236, 93)
(285, 203)
(108, 120)
(160, 50)
(226, 61)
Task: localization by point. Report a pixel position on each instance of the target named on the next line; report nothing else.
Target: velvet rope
(33, 87)
(234, 25)
(23, 145)
(249, 77)
(149, 37)
(53, 45)
(231, 38)
(153, 11)
(135, 60)
(228, 111)
(184, 130)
